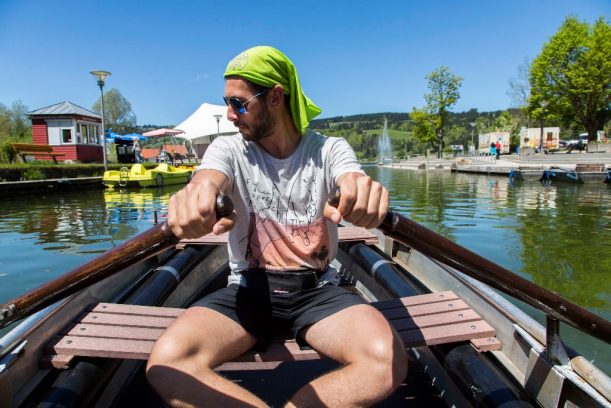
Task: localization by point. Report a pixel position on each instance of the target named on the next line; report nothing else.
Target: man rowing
(282, 238)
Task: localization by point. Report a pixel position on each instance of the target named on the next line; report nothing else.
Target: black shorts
(263, 311)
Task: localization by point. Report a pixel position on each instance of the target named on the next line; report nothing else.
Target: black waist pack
(282, 282)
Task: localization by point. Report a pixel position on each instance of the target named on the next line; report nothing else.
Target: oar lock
(7, 312)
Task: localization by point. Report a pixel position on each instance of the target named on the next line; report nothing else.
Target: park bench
(28, 149)
(191, 158)
(182, 158)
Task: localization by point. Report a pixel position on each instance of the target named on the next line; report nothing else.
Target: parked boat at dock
(582, 174)
(138, 176)
(526, 174)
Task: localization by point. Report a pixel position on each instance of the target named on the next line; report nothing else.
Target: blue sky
(353, 57)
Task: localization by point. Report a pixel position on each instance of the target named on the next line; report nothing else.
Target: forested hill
(397, 120)
(394, 118)
(363, 131)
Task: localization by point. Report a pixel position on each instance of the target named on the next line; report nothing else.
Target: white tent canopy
(201, 127)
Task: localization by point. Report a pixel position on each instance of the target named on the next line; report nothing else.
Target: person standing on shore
(492, 149)
(137, 151)
(498, 149)
(282, 239)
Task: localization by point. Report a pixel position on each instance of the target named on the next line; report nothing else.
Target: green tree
(424, 125)
(505, 122)
(519, 92)
(14, 122)
(5, 121)
(444, 87)
(519, 87)
(20, 122)
(118, 114)
(14, 127)
(573, 74)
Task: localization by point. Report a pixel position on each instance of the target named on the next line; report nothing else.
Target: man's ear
(277, 96)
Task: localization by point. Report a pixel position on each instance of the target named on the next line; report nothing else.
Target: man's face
(257, 123)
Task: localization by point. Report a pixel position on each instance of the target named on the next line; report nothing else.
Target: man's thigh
(203, 336)
(351, 334)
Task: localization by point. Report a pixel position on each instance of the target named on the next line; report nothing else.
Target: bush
(42, 170)
(7, 154)
(33, 174)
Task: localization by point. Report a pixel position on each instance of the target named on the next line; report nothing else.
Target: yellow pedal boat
(138, 176)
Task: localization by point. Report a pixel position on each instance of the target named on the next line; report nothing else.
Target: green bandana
(267, 66)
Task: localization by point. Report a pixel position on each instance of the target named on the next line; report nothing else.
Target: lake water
(558, 236)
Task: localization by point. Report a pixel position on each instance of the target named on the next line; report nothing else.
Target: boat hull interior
(453, 374)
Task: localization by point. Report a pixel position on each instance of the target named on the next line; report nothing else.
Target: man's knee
(177, 344)
(166, 351)
(386, 360)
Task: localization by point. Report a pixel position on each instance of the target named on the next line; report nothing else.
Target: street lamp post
(101, 77)
(543, 104)
(472, 129)
(218, 121)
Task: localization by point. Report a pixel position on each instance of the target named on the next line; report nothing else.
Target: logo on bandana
(238, 63)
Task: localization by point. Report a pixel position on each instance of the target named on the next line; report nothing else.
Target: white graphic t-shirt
(280, 202)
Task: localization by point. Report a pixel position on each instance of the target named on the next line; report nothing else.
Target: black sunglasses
(239, 106)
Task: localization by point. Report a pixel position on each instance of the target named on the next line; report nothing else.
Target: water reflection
(43, 237)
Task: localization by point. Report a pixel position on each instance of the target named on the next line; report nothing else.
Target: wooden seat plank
(137, 310)
(438, 319)
(486, 344)
(287, 350)
(103, 347)
(416, 300)
(128, 320)
(423, 310)
(116, 332)
(344, 234)
(130, 331)
(429, 336)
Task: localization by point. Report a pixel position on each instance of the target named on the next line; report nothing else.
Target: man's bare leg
(181, 364)
(374, 358)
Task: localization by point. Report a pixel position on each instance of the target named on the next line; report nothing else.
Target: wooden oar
(442, 249)
(140, 247)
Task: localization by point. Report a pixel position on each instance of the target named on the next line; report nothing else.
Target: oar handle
(142, 246)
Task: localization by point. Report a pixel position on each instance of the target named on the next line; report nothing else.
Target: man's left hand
(363, 202)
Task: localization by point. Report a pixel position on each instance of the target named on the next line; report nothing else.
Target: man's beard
(262, 127)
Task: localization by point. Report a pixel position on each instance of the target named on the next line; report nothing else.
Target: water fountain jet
(384, 146)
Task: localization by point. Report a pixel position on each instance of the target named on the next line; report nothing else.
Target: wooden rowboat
(507, 363)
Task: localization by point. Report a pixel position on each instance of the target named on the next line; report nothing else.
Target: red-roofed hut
(70, 129)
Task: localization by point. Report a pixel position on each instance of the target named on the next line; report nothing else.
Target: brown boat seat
(344, 234)
(128, 331)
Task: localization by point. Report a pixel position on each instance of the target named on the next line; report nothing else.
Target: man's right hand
(192, 210)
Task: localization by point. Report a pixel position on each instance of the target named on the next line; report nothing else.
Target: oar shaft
(442, 249)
